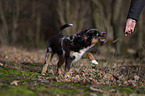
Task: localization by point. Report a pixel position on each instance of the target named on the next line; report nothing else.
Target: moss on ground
(32, 83)
(16, 91)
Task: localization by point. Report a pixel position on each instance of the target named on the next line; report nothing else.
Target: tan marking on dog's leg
(60, 63)
(47, 62)
(91, 57)
(59, 71)
(67, 73)
(71, 53)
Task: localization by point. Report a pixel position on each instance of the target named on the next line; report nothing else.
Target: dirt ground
(20, 70)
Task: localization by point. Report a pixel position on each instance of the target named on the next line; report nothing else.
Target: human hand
(130, 25)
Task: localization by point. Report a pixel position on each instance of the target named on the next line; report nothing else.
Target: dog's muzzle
(102, 36)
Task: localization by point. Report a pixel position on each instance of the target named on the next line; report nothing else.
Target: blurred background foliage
(31, 23)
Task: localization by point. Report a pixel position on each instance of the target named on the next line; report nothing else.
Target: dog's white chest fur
(79, 54)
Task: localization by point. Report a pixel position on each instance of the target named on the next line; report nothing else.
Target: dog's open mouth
(103, 40)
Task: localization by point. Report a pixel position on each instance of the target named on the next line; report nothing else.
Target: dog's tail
(63, 27)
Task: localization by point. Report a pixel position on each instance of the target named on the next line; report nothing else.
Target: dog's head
(95, 35)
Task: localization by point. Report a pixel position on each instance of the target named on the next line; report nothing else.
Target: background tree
(4, 26)
(116, 22)
(77, 13)
(33, 22)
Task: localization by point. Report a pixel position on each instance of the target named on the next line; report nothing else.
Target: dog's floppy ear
(81, 38)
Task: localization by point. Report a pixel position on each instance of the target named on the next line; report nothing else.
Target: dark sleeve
(135, 9)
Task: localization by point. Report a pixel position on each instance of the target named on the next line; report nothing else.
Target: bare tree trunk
(116, 17)
(101, 21)
(38, 24)
(32, 25)
(97, 10)
(4, 31)
(15, 21)
(140, 33)
(140, 53)
(101, 18)
(67, 9)
(60, 11)
(75, 16)
(65, 16)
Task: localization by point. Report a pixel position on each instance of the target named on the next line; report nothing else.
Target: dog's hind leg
(47, 60)
(91, 57)
(59, 64)
(67, 66)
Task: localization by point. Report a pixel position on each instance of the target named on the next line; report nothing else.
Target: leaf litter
(117, 74)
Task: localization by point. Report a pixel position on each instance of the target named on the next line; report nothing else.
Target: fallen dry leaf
(1, 64)
(136, 77)
(107, 76)
(112, 90)
(14, 83)
(97, 90)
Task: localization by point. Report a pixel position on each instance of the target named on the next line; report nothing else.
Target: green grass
(32, 83)
(17, 91)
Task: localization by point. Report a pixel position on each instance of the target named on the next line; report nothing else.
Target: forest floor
(20, 70)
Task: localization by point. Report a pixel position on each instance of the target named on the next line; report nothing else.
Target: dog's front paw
(94, 62)
(43, 73)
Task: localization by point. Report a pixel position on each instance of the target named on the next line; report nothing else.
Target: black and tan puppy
(71, 48)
